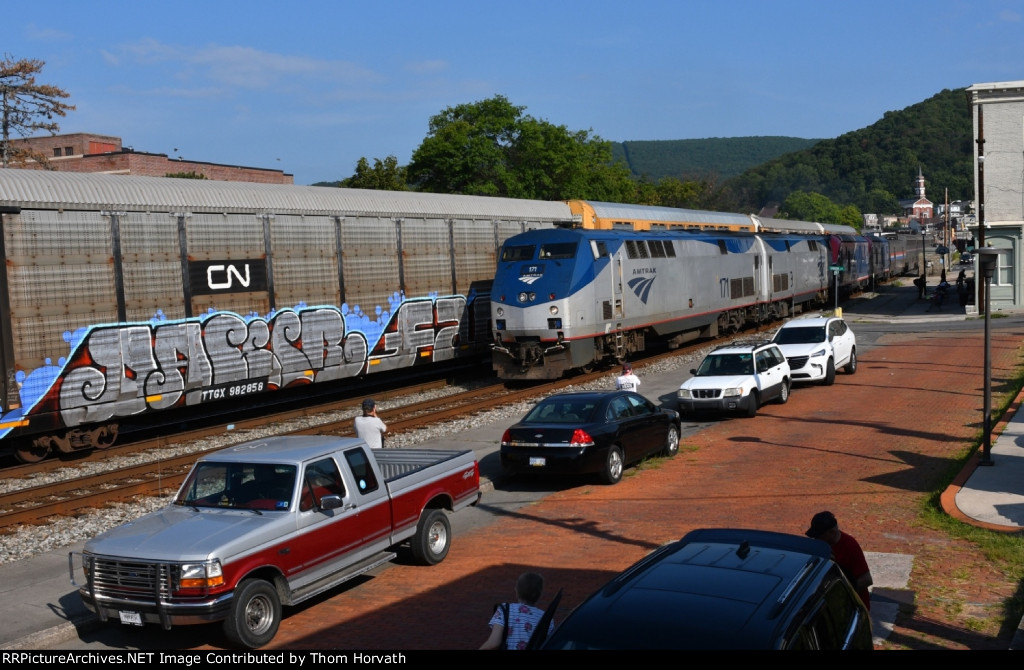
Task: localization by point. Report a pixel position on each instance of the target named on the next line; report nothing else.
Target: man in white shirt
(369, 427)
(627, 381)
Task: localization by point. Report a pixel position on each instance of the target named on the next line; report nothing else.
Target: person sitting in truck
(268, 488)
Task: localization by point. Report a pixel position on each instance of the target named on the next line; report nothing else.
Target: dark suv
(724, 589)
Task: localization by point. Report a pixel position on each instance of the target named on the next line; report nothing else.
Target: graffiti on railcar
(126, 369)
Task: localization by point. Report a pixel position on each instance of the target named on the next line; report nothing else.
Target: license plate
(538, 461)
(133, 618)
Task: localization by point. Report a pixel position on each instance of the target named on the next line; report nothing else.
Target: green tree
(492, 148)
(27, 107)
(804, 206)
(385, 175)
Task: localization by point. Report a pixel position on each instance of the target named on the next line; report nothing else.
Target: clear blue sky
(310, 87)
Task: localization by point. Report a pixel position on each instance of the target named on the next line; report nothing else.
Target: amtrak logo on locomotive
(642, 287)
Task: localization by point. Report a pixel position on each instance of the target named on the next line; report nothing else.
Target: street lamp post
(924, 261)
(987, 259)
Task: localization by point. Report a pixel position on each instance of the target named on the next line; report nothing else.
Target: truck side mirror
(332, 501)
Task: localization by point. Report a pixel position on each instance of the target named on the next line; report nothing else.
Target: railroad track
(34, 505)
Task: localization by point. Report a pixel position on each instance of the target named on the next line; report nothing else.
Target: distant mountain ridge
(719, 157)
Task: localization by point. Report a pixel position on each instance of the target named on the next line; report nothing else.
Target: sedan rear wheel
(672, 441)
(613, 466)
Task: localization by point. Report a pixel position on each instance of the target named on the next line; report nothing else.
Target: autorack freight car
(122, 295)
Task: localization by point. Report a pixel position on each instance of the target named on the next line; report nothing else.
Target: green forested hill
(874, 167)
(721, 157)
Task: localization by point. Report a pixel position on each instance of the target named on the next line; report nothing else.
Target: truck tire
(255, 614)
(433, 537)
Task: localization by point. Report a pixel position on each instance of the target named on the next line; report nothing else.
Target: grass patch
(1004, 551)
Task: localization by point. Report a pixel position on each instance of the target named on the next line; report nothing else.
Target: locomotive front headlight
(553, 309)
(524, 296)
(500, 312)
(533, 296)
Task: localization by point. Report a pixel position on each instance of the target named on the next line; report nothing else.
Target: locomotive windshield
(522, 252)
(559, 250)
(552, 251)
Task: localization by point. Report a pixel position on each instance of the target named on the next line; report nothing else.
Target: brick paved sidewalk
(871, 449)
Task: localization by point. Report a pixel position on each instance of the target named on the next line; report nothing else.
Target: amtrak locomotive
(572, 299)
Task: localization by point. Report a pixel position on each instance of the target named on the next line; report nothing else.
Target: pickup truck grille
(131, 580)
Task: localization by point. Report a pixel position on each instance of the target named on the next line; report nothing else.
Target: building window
(56, 151)
(69, 151)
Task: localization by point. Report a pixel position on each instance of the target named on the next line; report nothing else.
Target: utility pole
(982, 288)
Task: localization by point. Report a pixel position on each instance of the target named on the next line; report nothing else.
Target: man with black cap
(369, 426)
(846, 552)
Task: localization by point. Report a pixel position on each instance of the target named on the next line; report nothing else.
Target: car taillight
(506, 436)
(580, 438)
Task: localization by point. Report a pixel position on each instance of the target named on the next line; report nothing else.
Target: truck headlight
(684, 394)
(201, 575)
(732, 393)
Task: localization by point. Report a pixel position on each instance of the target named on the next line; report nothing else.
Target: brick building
(86, 152)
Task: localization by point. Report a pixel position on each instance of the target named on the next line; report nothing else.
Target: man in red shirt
(846, 552)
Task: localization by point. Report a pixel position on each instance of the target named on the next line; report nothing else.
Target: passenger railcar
(572, 299)
(122, 296)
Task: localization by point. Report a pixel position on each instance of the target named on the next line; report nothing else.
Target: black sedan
(589, 432)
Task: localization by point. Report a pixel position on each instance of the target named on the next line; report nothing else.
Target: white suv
(816, 347)
(737, 378)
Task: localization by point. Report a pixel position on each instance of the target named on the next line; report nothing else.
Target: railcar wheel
(613, 466)
(255, 614)
(851, 367)
(830, 373)
(433, 535)
(31, 452)
(672, 441)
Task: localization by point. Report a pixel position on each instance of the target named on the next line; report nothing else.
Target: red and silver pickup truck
(273, 522)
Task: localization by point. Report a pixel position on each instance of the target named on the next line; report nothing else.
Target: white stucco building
(998, 113)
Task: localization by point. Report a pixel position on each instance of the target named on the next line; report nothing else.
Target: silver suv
(737, 378)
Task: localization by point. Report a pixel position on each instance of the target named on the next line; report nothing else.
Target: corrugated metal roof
(613, 210)
(36, 189)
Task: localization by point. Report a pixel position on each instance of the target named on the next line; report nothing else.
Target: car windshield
(726, 364)
(266, 486)
(801, 335)
(576, 410)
